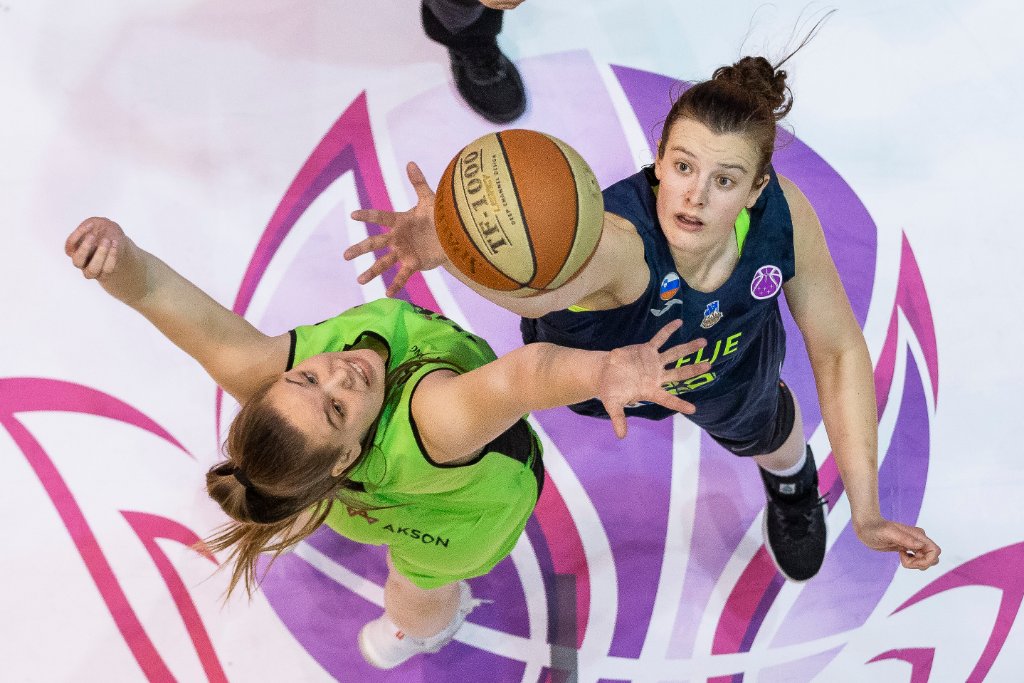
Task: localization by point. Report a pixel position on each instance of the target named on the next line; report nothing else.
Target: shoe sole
(768, 547)
(365, 652)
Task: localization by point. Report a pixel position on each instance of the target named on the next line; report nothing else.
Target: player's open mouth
(689, 222)
(362, 370)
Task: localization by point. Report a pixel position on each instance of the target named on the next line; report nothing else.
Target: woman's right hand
(410, 241)
(94, 247)
(636, 373)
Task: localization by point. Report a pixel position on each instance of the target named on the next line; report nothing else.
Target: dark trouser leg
(460, 24)
(488, 82)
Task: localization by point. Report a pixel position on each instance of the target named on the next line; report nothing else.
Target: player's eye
(310, 377)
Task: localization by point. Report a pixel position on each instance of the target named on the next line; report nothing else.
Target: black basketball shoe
(489, 82)
(794, 522)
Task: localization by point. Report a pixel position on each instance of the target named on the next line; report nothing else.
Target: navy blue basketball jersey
(740, 319)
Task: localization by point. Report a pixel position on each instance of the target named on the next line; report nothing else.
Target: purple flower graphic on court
(603, 548)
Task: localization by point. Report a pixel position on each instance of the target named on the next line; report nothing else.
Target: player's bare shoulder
(800, 209)
(620, 260)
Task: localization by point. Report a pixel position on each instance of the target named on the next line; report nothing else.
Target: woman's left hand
(915, 549)
(631, 374)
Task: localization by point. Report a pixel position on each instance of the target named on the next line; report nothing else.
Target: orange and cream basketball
(519, 211)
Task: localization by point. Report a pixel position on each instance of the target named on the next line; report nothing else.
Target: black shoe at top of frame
(489, 82)
(794, 522)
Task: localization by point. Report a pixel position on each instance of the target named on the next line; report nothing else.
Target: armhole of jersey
(416, 431)
(741, 228)
(291, 349)
(652, 181)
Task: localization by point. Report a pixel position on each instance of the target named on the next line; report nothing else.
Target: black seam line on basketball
(457, 173)
(575, 223)
(522, 212)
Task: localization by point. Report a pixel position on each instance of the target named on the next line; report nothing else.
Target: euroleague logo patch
(669, 286)
(766, 283)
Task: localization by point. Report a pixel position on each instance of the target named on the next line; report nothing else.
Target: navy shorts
(746, 421)
(776, 427)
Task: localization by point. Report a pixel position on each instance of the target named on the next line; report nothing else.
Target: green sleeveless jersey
(442, 522)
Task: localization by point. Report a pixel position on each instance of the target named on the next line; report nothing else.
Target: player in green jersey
(388, 422)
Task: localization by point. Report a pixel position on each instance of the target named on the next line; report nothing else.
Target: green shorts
(436, 539)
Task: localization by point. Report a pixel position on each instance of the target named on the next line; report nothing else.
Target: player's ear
(347, 457)
(756, 190)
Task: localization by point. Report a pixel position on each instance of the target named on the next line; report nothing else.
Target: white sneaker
(385, 646)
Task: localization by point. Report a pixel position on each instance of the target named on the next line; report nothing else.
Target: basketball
(519, 211)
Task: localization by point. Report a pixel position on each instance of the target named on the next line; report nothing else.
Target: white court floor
(233, 138)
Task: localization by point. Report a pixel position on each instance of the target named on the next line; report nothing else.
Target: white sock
(790, 471)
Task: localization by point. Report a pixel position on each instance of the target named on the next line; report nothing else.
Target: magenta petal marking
(347, 146)
(919, 658)
(149, 528)
(28, 394)
(885, 370)
(913, 299)
(998, 569)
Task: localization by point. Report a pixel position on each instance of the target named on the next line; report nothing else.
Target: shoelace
(806, 509)
(483, 68)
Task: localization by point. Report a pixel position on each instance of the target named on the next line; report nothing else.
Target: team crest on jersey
(712, 315)
(670, 286)
(766, 283)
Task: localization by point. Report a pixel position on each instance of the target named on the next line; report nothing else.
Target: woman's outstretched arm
(615, 275)
(845, 382)
(236, 355)
(458, 414)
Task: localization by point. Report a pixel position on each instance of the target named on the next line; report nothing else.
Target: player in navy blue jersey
(711, 234)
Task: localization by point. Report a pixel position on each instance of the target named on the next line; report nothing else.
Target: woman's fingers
(672, 402)
(682, 350)
(378, 267)
(111, 261)
(685, 372)
(371, 243)
(662, 335)
(375, 216)
(419, 181)
(403, 275)
(71, 243)
(83, 252)
(96, 262)
(618, 418)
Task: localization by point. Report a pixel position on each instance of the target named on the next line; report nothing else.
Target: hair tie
(242, 478)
